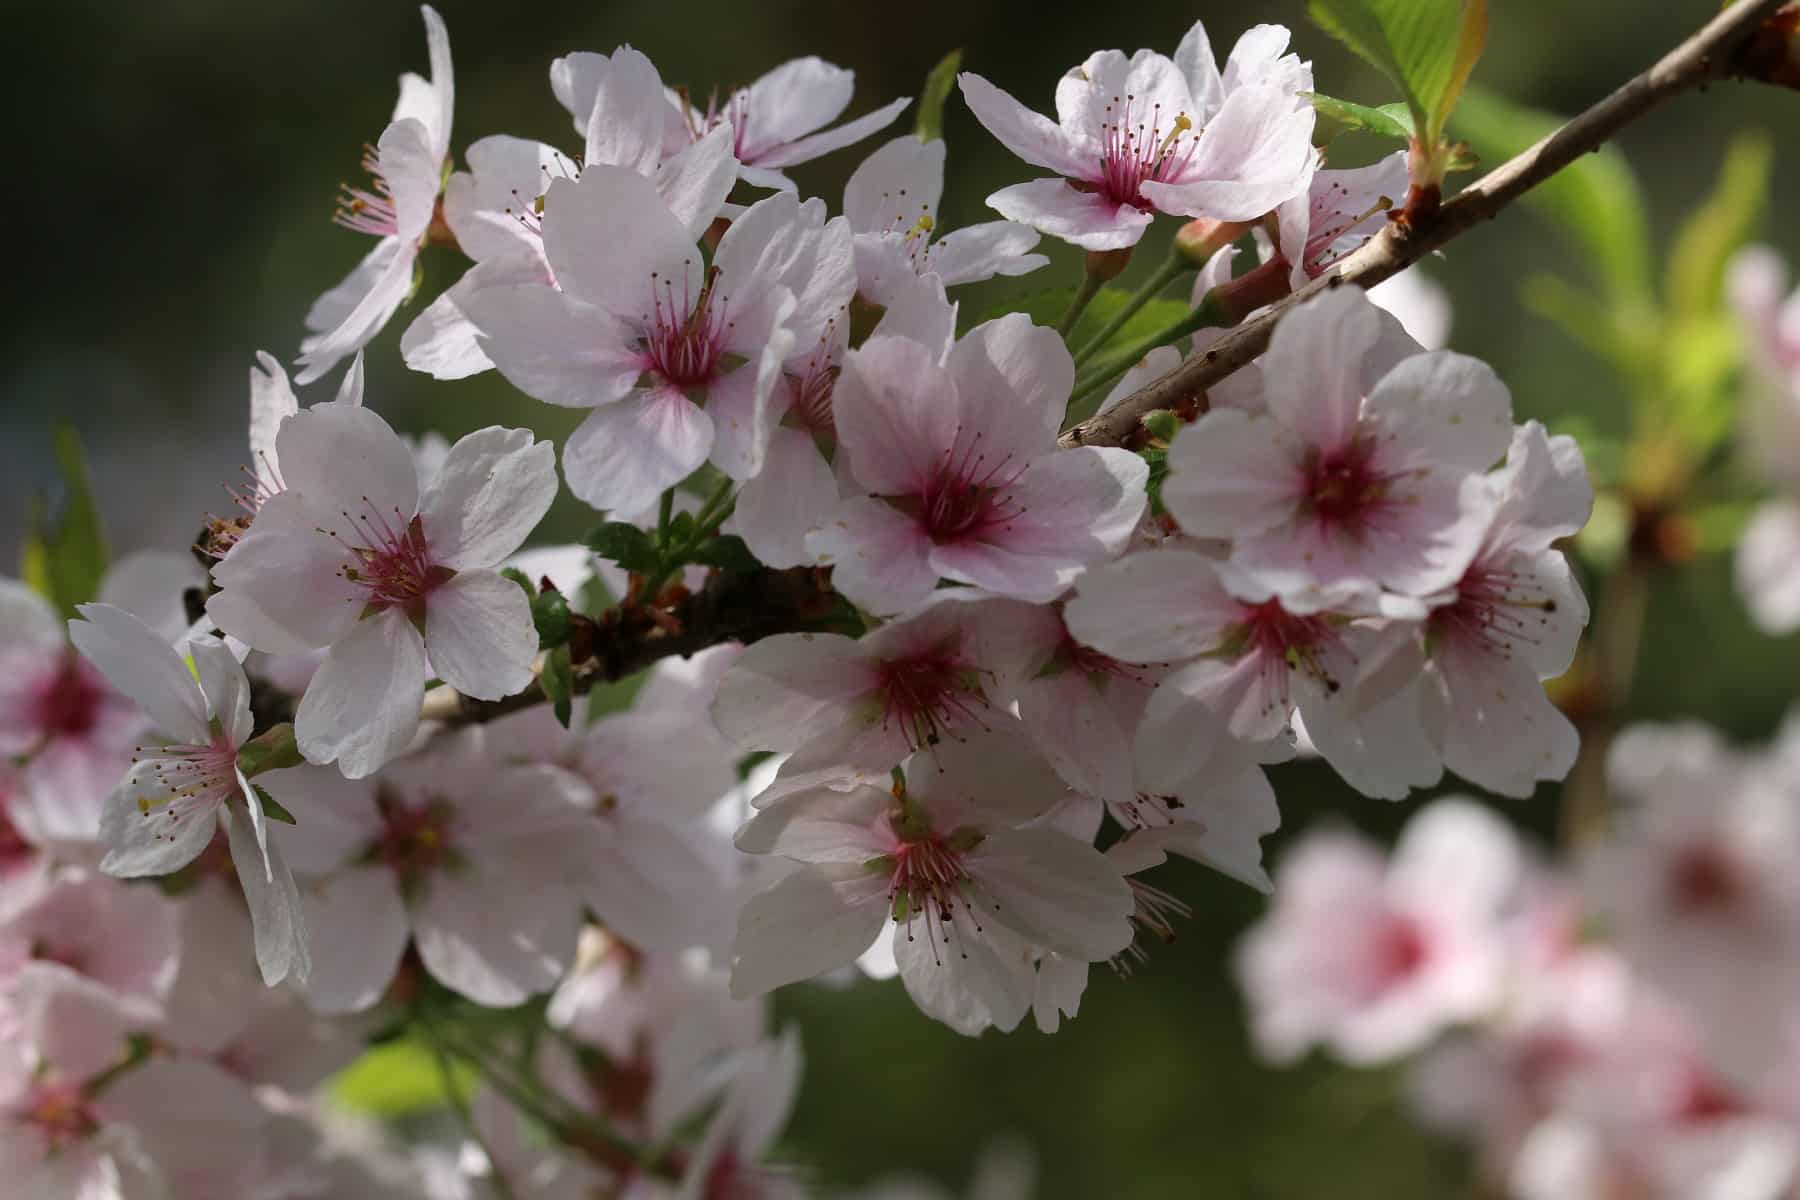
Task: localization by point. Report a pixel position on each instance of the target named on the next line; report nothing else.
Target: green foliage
(1425, 47)
(550, 613)
(1695, 280)
(273, 808)
(1386, 120)
(727, 552)
(626, 545)
(396, 1079)
(64, 560)
(1048, 307)
(1595, 202)
(558, 680)
(938, 85)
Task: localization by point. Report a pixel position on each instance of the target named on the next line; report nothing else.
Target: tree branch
(733, 606)
(1715, 52)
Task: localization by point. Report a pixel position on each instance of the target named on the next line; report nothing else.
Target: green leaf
(559, 684)
(938, 85)
(1048, 307)
(523, 580)
(1595, 201)
(272, 808)
(396, 1079)
(1715, 230)
(1425, 47)
(550, 613)
(1386, 120)
(727, 552)
(65, 561)
(626, 545)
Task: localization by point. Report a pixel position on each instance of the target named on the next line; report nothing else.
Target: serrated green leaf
(1714, 231)
(65, 560)
(625, 544)
(1385, 120)
(938, 85)
(1425, 47)
(550, 613)
(727, 552)
(272, 808)
(1595, 201)
(559, 684)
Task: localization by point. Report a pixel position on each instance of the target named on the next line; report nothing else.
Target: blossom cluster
(1044, 668)
(1621, 1024)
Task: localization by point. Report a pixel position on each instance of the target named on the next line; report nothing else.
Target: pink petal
(1034, 138)
(881, 557)
(492, 490)
(1086, 219)
(624, 455)
(362, 707)
(479, 634)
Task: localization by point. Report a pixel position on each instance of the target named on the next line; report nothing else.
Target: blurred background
(175, 166)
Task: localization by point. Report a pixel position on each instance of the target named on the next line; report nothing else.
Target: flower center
(735, 109)
(413, 842)
(1137, 147)
(390, 561)
(926, 886)
(60, 1114)
(1286, 641)
(684, 335)
(1343, 489)
(968, 497)
(364, 211)
(928, 694)
(1400, 949)
(1493, 610)
(1154, 913)
(1703, 879)
(811, 389)
(68, 702)
(192, 781)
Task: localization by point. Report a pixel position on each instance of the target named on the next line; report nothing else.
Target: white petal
(362, 707)
(140, 834)
(1054, 891)
(1154, 606)
(495, 937)
(696, 181)
(607, 233)
(479, 634)
(226, 689)
(275, 911)
(1232, 474)
(1034, 138)
(625, 127)
(783, 687)
(1444, 408)
(359, 929)
(488, 496)
(374, 292)
(1086, 219)
(811, 922)
(552, 346)
(824, 142)
(145, 667)
(881, 557)
(777, 508)
(625, 455)
(342, 456)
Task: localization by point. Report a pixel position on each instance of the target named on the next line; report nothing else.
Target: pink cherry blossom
(1339, 212)
(407, 167)
(177, 796)
(945, 856)
(1146, 134)
(1350, 483)
(677, 361)
(891, 201)
(1374, 958)
(495, 208)
(451, 849)
(962, 473)
(394, 579)
(1512, 619)
(1251, 664)
(779, 120)
(125, 938)
(927, 678)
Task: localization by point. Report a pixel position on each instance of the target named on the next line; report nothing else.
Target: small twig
(1712, 53)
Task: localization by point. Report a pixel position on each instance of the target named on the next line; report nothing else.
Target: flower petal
(813, 921)
(492, 490)
(479, 634)
(626, 454)
(362, 707)
(145, 667)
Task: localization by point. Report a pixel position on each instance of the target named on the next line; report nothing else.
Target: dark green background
(172, 171)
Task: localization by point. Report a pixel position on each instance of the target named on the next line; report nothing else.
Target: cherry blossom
(395, 579)
(1356, 479)
(779, 120)
(1373, 958)
(452, 850)
(924, 679)
(962, 474)
(407, 167)
(945, 856)
(891, 201)
(636, 326)
(1146, 134)
(1766, 555)
(495, 208)
(177, 796)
